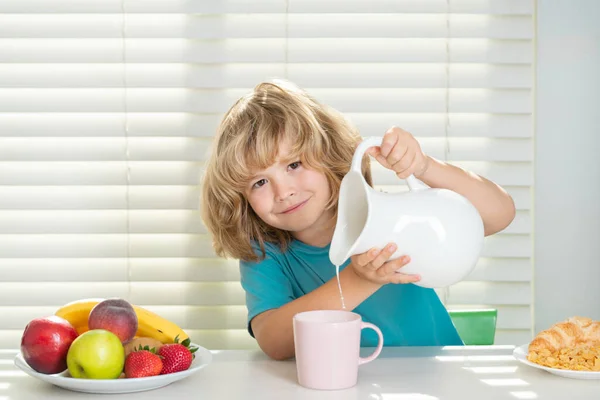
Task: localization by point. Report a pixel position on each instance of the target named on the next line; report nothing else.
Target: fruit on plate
(77, 313)
(154, 326)
(142, 363)
(176, 356)
(45, 343)
(142, 342)
(96, 354)
(116, 316)
(149, 324)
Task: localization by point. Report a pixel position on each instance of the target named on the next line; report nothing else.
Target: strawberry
(176, 356)
(141, 363)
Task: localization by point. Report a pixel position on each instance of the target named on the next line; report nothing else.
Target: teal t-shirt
(408, 315)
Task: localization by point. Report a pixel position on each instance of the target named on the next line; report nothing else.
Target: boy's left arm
(494, 204)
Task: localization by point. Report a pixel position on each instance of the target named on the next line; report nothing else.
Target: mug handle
(364, 360)
(373, 141)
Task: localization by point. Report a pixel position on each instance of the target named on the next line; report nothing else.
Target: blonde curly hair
(248, 140)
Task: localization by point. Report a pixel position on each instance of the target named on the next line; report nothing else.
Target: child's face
(289, 196)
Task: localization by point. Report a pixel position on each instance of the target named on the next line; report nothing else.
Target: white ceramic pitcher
(439, 229)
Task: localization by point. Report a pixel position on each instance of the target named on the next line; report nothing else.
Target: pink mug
(327, 344)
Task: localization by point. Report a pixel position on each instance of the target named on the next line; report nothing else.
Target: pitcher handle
(375, 141)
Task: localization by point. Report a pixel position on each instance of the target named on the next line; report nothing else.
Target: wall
(567, 167)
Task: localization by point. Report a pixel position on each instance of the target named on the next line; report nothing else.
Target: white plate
(111, 386)
(520, 353)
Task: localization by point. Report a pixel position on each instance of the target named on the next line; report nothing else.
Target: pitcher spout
(352, 216)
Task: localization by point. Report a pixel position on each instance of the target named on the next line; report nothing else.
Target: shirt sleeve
(266, 286)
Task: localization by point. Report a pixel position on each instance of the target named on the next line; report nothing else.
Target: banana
(77, 312)
(153, 325)
(149, 324)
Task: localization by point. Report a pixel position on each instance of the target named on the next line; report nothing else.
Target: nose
(282, 190)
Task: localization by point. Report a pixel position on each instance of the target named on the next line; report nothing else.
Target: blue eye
(259, 183)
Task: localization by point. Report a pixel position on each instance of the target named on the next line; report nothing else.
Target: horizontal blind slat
(146, 197)
(119, 269)
(504, 174)
(136, 221)
(186, 173)
(97, 124)
(99, 197)
(177, 245)
(141, 269)
(188, 293)
(105, 149)
(179, 293)
(85, 197)
(342, 50)
(33, 294)
(221, 293)
(179, 149)
(507, 7)
(249, 50)
(100, 221)
(215, 101)
(521, 224)
(507, 269)
(507, 245)
(105, 245)
(257, 25)
(322, 75)
(493, 293)
(99, 173)
(71, 125)
(460, 124)
(410, 25)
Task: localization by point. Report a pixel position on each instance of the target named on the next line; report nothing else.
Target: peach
(116, 316)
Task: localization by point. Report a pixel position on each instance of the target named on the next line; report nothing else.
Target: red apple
(45, 343)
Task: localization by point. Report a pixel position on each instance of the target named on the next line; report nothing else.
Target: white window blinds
(108, 109)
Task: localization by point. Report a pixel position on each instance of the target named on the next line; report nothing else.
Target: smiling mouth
(294, 208)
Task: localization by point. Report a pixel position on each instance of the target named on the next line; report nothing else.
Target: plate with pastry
(570, 348)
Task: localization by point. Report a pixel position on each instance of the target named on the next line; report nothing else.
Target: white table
(416, 373)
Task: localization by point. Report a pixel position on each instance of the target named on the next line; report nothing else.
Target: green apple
(96, 354)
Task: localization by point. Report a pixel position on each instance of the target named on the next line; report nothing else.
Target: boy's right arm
(273, 329)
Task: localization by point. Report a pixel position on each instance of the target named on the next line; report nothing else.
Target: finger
(389, 141)
(385, 254)
(391, 267)
(397, 154)
(373, 151)
(365, 258)
(404, 278)
(381, 159)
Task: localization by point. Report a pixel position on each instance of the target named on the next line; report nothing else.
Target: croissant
(572, 332)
